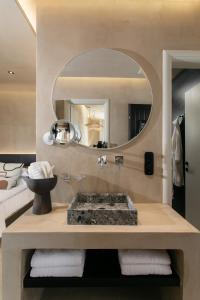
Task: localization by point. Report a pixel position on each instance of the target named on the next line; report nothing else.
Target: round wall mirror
(107, 97)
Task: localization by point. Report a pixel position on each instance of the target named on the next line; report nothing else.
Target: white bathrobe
(177, 155)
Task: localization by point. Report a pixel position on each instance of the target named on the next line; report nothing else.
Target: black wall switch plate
(148, 163)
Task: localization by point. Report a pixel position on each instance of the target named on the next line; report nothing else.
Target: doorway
(186, 111)
(181, 99)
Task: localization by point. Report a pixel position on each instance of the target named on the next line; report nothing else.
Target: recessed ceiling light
(11, 72)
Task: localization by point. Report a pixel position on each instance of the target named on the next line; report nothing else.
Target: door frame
(171, 58)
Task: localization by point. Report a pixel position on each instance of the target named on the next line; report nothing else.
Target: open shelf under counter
(102, 269)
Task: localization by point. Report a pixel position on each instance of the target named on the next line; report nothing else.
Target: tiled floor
(93, 293)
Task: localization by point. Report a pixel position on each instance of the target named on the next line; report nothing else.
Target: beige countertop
(152, 218)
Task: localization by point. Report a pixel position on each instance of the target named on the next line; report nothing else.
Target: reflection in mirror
(105, 95)
(90, 118)
(63, 132)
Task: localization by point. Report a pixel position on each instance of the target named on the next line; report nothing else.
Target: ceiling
(103, 63)
(176, 72)
(29, 9)
(18, 44)
(187, 63)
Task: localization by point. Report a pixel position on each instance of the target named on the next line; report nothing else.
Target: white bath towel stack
(57, 263)
(144, 262)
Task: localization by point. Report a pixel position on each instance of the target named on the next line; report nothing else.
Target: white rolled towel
(47, 169)
(145, 269)
(57, 258)
(128, 257)
(35, 172)
(40, 170)
(71, 271)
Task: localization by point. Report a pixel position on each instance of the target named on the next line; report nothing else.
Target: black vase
(41, 188)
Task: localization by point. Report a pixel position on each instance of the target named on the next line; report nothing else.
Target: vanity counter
(159, 227)
(152, 218)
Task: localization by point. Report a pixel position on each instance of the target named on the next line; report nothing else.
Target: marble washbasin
(102, 209)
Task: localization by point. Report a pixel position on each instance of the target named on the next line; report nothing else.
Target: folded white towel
(129, 257)
(146, 269)
(57, 258)
(73, 271)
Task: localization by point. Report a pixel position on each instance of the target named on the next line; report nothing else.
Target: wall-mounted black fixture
(119, 160)
(148, 163)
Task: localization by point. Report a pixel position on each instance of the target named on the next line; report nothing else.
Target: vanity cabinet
(159, 227)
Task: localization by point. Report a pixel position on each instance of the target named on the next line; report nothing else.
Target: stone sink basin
(102, 209)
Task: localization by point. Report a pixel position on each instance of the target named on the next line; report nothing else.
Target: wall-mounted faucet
(102, 160)
(69, 178)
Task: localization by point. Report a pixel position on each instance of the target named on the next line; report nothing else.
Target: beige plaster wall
(142, 29)
(119, 91)
(17, 119)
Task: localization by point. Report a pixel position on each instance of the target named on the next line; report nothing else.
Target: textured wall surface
(142, 29)
(17, 119)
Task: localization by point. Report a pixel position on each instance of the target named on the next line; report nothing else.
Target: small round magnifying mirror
(63, 132)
